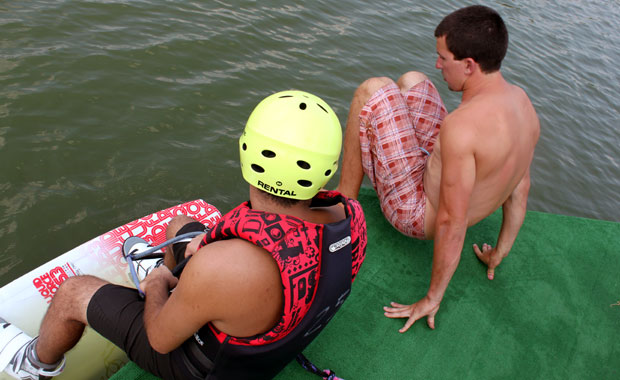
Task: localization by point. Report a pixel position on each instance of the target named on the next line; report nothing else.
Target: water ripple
(96, 93)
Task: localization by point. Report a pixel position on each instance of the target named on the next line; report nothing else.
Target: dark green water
(110, 110)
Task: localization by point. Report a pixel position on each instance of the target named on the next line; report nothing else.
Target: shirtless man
(436, 175)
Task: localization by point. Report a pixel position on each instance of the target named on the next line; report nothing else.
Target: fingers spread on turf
(491, 274)
(481, 254)
(430, 321)
(408, 324)
(397, 311)
(484, 255)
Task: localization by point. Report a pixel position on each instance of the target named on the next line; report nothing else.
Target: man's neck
(261, 202)
(480, 83)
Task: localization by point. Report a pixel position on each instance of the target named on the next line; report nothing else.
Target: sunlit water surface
(110, 110)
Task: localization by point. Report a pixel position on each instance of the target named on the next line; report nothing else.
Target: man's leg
(175, 253)
(352, 173)
(426, 108)
(61, 329)
(65, 320)
(390, 132)
(410, 79)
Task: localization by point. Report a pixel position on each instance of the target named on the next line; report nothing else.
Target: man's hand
(490, 256)
(192, 246)
(424, 307)
(159, 277)
(156, 287)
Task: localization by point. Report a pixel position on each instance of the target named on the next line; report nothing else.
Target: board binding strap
(143, 257)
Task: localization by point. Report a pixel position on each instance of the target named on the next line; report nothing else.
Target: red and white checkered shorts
(396, 135)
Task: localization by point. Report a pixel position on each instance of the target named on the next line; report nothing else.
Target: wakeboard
(24, 301)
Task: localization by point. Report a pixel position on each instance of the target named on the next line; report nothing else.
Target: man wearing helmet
(437, 173)
(259, 286)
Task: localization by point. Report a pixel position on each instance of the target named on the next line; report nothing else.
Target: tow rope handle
(326, 374)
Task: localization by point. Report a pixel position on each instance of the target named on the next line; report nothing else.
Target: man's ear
(471, 66)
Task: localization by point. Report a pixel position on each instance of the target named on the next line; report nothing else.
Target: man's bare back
(499, 127)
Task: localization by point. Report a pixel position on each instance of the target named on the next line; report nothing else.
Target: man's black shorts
(178, 249)
(116, 312)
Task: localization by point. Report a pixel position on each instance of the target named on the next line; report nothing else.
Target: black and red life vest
(317, 265)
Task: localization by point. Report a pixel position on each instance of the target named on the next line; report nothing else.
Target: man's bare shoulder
(237, 284)
(235, 245)
(231, 258)
(459, 126)
(498, 104)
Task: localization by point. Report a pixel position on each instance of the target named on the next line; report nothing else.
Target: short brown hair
(476, 32)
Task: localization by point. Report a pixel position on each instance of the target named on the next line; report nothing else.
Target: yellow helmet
(290, 145)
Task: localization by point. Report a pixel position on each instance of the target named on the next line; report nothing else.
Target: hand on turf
(490, 256)
(424, 307)
(159, 277)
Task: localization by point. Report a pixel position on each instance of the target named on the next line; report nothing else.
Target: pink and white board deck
(24, 301)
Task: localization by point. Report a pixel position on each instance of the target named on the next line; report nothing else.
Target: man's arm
(232, 283)
(451, 226)
(514, 209)
(457, 182)
(458, 176)
(156, 287)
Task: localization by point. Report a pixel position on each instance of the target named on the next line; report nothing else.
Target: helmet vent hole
(327, 173)
(303, 164)
(304, 183)
(286, 96)
(302, 106)
(244, 146)
(258, 168)
(268, 153)
(322, 107)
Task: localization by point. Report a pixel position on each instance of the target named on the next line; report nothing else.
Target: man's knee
(74, 295)
(175, 253)
(410, 79)
(83, 284)
(175, 225)
(367, 89)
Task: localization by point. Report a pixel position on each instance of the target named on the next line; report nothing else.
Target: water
(110, 110)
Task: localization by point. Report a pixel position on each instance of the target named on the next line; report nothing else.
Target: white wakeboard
(24, 301)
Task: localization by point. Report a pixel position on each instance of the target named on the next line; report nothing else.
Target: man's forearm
(514, 210)
(448, 245)
(156, 296)
(511, 224)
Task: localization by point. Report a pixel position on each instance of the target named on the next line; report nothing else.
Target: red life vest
(317, 265)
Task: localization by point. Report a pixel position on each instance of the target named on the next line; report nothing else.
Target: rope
(306, 364)
(147, 252)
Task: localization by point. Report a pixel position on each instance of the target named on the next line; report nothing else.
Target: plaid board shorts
(397, 134)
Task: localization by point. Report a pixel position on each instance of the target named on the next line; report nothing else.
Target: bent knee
(176, 223)
(70, 302)
(410, 79)
(371, 85)
(78, 289)
(80, 284)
